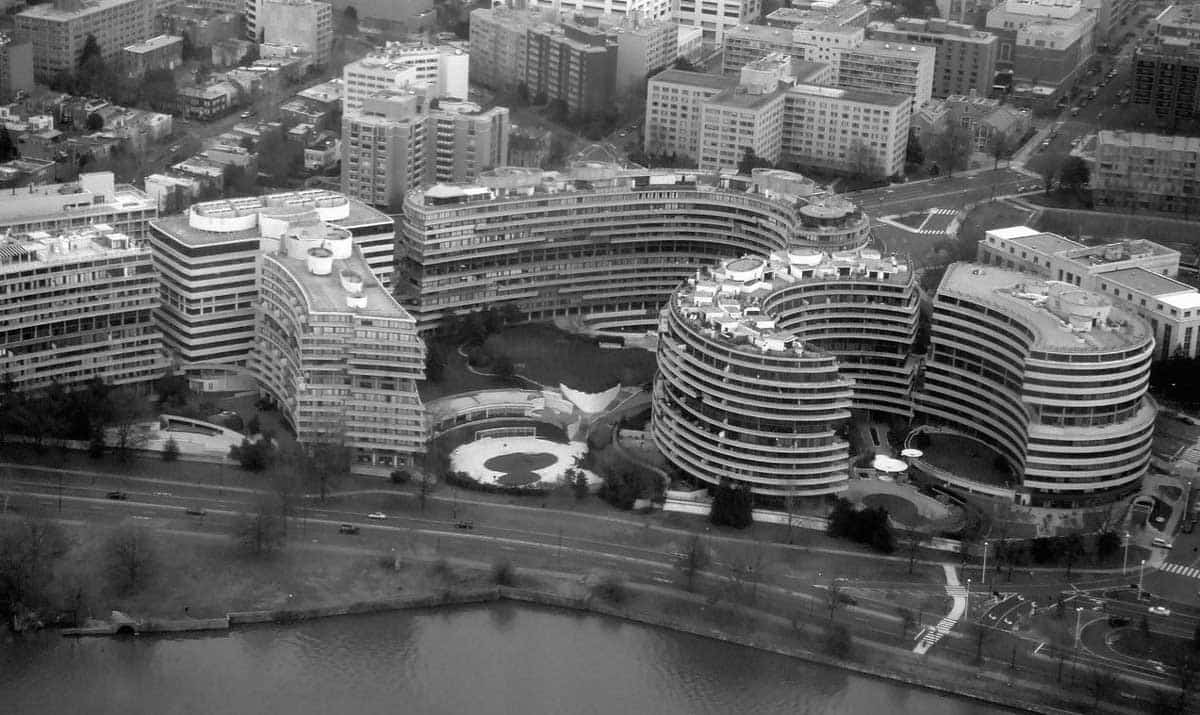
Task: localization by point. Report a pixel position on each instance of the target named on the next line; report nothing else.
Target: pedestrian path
(930, 636)
(1189, 571)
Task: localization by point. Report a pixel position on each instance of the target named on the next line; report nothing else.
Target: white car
(378, 515)
(1160, 610)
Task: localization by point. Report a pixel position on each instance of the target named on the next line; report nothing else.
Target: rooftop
(1063, 318)
(865, 96)
(696, 79)
(1047, 243)
(1157, 142)
(726, 299)
(349, 277)
(48, 11)
(154, 43)
(17, 252)
(1180, 15)
(1154, 284)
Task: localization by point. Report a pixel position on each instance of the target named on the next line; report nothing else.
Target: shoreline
(525, 596)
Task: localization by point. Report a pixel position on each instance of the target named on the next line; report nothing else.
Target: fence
(505, 432)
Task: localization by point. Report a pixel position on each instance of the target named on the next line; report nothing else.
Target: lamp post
(983, 574)
(1141, 573)
(968, 599)
(1125, 563)
(1078, 616)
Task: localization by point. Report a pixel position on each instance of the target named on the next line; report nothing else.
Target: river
(500, 658)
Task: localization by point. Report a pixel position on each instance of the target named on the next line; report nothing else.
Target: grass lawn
(1103, 225)
(966, 458)
(901, 510)
(912, 220)
(456, 378)
(551, 356)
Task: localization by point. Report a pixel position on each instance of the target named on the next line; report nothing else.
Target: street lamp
(968, 598)
(1141, 573)
(1125, 563)
(983, 575)
(1078, 615)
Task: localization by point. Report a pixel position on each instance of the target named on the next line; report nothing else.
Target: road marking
(1180, 569)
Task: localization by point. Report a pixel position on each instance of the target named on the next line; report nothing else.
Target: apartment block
(78, 306)
(1166, 72)
(162, 52)
(467, 140)
(818, 42)
(1147, 172)
(880, 66)
(1044, 44)
(748, 116)
(335, 352)
(716, 17)
(964, 60)
(643, 9)
(208, 256)
(674, 102)
(59, 29)
(846, 129)
(574, 62)
(643, 47)
(90, 200)
(1138, 275)
(16, 66)
(438, 70)
(498, 45)
(307, 24)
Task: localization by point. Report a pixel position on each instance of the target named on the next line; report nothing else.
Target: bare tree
(1100, 684)
(999, 146)
(695, 559)
(951, 148)
(745, 571)
(261, 531)
(130, 558)
(907, 621)
(913, 542)
(328, 457)
(425, 486)
(29, 550)
(861, 159)
(980, 633)
(835, 598)
(126, 410)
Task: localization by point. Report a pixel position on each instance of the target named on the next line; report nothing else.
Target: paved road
(944, 192)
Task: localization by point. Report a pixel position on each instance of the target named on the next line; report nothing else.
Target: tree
(1072, 549)
(951, 148)
(861, 159)
(326, 457)
(579, 483)
(94, 122)
(130, 558)
(254, 426)
(170, 450)
(745, 571)
(1107, 544)
(350, 20)
(838, 641)
(425, 487)
(999, 146)
(1074, 173)
(732, 505)
(907, 621)
(8, 150)
(692, 560)
(913, 542)
(1047, 172)
(253, 456)
(158, 90)
(914, 153)
(261, 531)
(92, 75)
(751, 161)
(30, 549)
(126, 407)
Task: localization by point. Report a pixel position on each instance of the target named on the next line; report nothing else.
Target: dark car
(119, 496)
(195, 512)
(347, 529)
(465, 524)
(1118, 621)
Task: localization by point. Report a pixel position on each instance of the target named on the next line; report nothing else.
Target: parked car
(347, 529)
(195, 512)
(119, 496)
(1162, 544)
(1160, 610)
(1075, 111)
(377, 515)
(1118, 621)
(465, 524)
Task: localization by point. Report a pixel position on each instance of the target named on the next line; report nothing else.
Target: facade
(755, 386)
(598, 245)
(59, 29)
(91, 200)
(572, 62)
(716, 17)
(441, 70)
(779, 109)
(307, 24)
(78, 306)
(467, 140)
(642, 48)
(1147, 172)
(965, 58)
(986, 118)
(880, 66)
(645, 9)
(818, 42)
(846, 129)
(334, 351)
(16, 67)
(1140, 276)
(1044, 44)
(207, 258)
(498, 45)
(204, 27)
(1166, 72)
(1051, 376)
(163, 52)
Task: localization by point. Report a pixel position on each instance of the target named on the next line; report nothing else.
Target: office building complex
(574, 63)
(59, 29)
(645, 9)
(778, 109)
(306, 24)
(880, 66)
(1166, 72)
(16, 66)
(394, 142)
(334, 350)
(162, 52)
(599, 245)
(1147, 172)
(818, 43)
(762, 359)
(90, 200)
(1044, 45)
(78, 306)
(965, 59)
(1050, 375)
(207, 259)
(437, 70)
(1140, 276)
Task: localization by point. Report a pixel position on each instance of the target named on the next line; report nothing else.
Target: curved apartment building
(752, 387)
(598, 244)
(1051, 376)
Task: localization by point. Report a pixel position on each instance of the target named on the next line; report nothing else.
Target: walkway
(955, 590)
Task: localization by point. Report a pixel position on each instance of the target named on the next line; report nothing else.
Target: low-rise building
(209, 101)
(306, 23)
(1044, 45)
(322, 152)
(203, 26)
(162, 52)
(986, 118)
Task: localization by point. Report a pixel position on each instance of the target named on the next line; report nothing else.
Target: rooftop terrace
(349, 277)
(1062, 317)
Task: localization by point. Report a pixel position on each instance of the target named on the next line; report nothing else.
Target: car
(623, 133)
(1075, 111)
(465, 524)
(195, 512)
(173, 148)
(1118, 621)
(246, 115)
(1160, 610)
(119, 496)
(377, 515)
(1163, 544)
(347, 529)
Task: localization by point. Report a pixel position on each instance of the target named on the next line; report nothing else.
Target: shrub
(170, 450)
(503, 574)
(732, 506)
(610, 589)
(440, 568)
(865, 526)
(400, 476)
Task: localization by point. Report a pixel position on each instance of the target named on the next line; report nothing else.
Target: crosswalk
(932, 213)
(956, 591)
(930, 636)
(1189, 571)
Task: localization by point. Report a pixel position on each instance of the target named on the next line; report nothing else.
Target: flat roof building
(437, 70)
(1135, 171)
(965, 58)
(59, 29)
